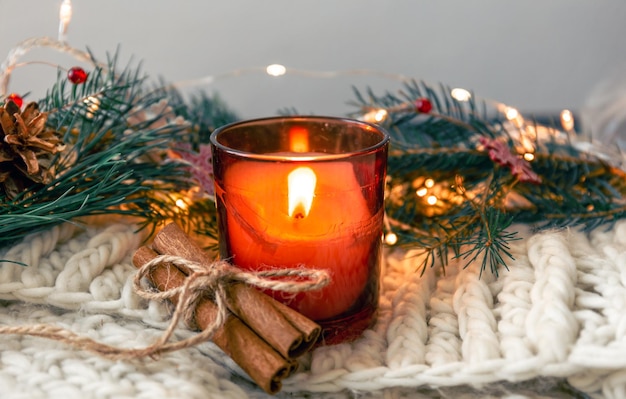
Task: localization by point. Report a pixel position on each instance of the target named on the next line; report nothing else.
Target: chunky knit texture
(559, 313)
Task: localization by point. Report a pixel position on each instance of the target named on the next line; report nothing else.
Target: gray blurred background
(538, 56)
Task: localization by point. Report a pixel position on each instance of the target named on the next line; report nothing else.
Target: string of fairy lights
(428, 189)
(273, 70)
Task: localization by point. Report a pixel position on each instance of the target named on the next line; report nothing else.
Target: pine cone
(26, 148)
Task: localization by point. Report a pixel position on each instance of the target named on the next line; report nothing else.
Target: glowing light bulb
(375, 116)
(429, 183)
(529, 156)
(567, 120)
(431, 200)
(65, 16)
(391, 238)
(276, 70)
(301, 190)
(381, 115)
(460, 94)
(511, 113)
(421, 192)
(181, 203)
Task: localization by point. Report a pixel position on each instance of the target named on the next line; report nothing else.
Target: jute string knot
(203, 281)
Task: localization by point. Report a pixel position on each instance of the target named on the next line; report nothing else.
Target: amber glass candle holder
(306, 192)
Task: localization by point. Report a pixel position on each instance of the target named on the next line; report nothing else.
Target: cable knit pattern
(558, 313)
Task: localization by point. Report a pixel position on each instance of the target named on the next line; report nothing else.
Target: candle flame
(301, 185)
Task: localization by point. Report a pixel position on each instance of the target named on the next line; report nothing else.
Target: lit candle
(297, 204)
(335, 234)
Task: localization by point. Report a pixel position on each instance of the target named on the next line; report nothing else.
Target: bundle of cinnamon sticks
(263, 336)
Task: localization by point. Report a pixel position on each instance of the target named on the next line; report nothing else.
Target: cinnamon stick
(310, 331)
(286, 330)
(261, 362)
(265, 316)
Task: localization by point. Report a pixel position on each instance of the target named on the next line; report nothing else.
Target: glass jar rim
(295, 156)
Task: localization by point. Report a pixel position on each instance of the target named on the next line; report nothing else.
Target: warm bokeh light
(65, 16)
(460, 94)
(567, 120)
(375, 116)
(391, 238)
(511, 113)
(276, 70)
(181, 204)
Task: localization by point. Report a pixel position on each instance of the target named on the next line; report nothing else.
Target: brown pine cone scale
(26, 148)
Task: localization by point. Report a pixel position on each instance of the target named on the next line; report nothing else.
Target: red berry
(77, 75)
(423, 105)
(16, 99)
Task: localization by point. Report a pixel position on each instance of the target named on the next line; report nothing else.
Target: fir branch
(578, 187)
(490, 243)
(116, 159)
(119, 130)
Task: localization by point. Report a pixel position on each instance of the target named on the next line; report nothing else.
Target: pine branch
(117, 132)
(470, 217)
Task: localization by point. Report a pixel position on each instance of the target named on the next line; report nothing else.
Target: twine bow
(202, 281)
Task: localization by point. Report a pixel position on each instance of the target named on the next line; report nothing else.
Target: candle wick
(299, 215)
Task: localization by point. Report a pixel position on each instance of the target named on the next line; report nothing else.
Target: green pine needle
(480, 197)
(117, 130)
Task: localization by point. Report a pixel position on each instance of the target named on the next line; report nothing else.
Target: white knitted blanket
(559, 314)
